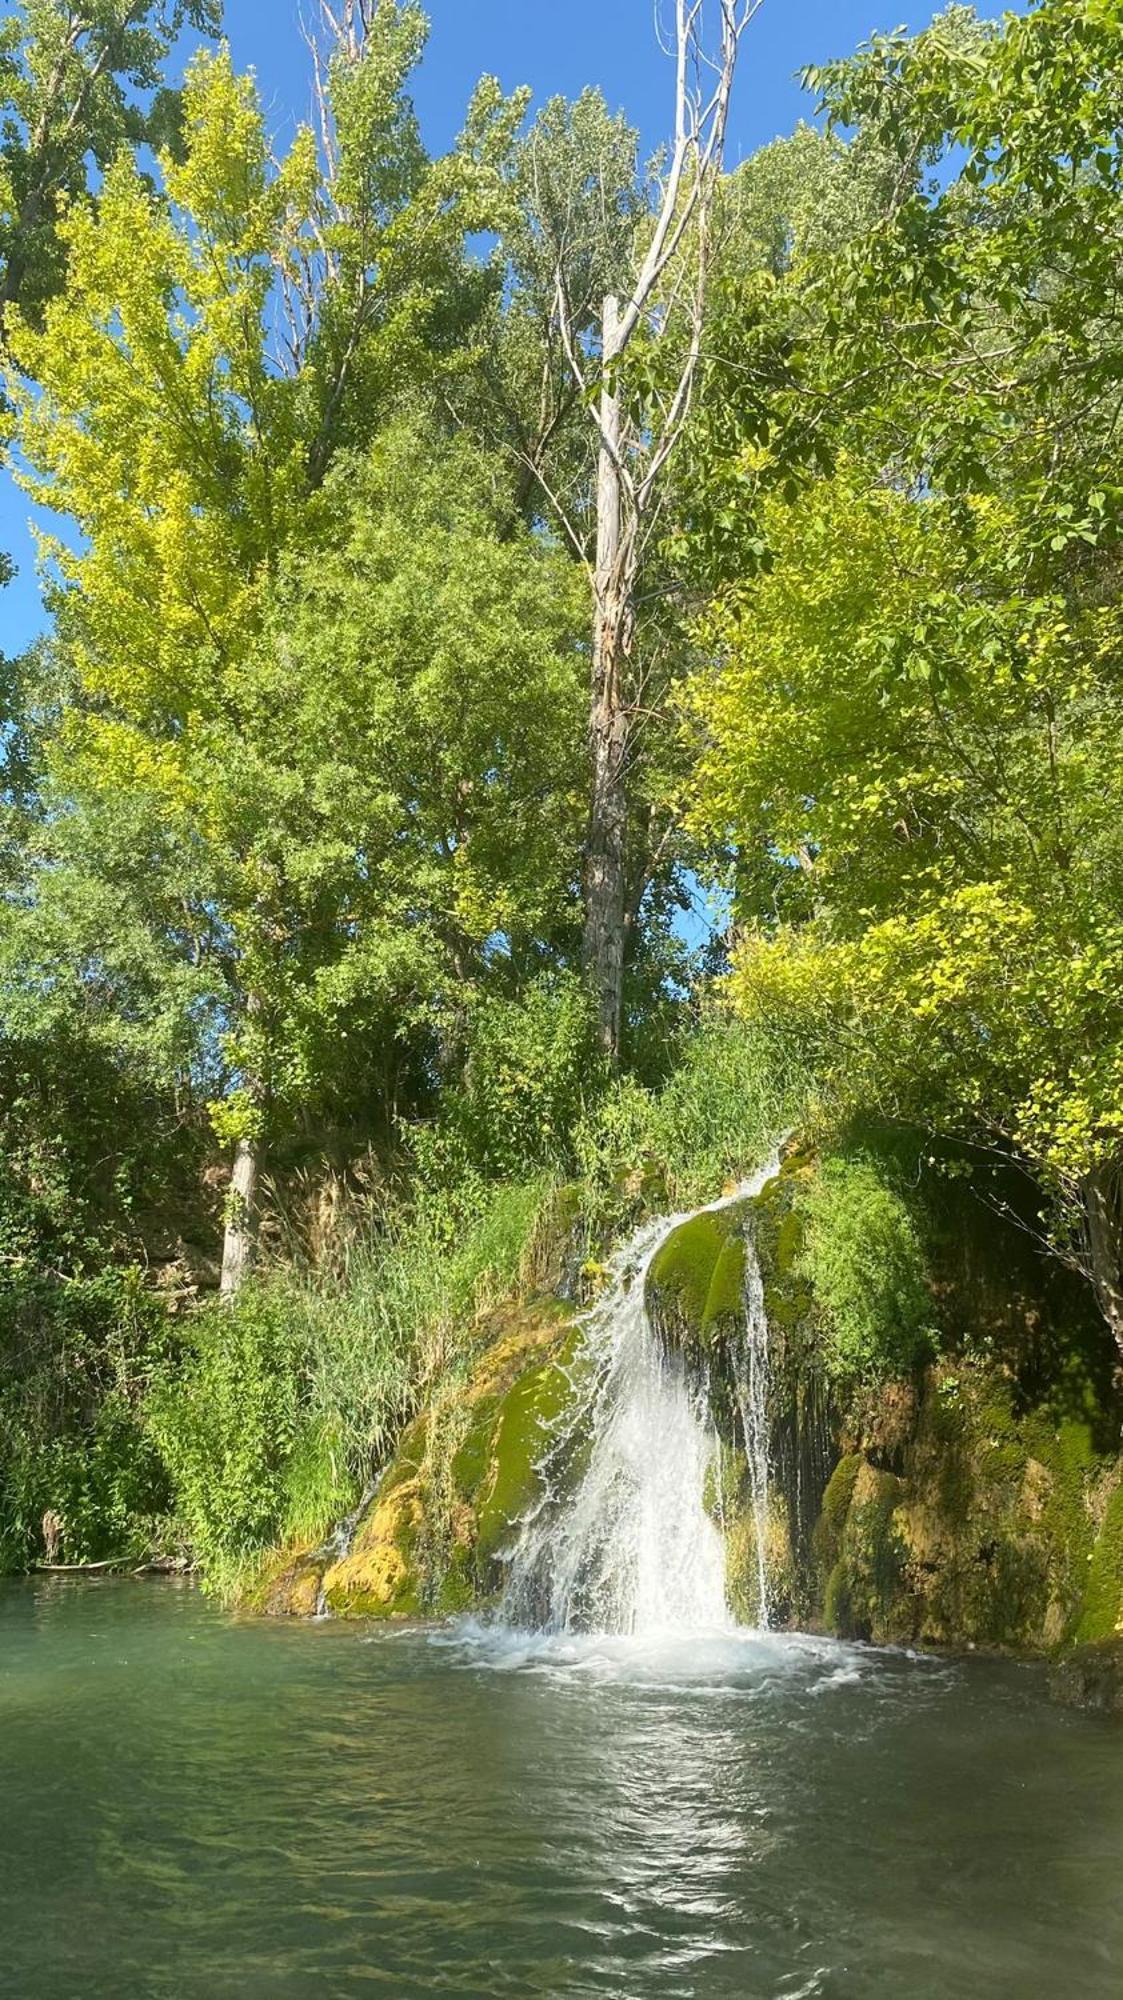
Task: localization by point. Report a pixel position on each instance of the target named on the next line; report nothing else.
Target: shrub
(229, 1425)
(729, 1099)
(76, 1358)
(864, 1258)
(530, 1069)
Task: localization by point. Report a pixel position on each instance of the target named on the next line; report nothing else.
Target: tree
(80, 79)
(910, 734)
(573, 198)
(632, 355)
(187, 438)
(383, 297)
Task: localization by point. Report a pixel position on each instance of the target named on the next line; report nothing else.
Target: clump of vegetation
(863, 1255)
(77, 1356)
(293, 1395)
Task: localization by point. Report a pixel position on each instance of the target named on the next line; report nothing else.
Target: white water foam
(731, 1659)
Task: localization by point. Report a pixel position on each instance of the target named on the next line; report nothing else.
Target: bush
(730, 1098)
(238, 1435)
(530, 1070)
(76, 1358)
(864, 1259)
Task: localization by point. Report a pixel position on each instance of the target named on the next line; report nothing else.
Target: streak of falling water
(633, 1548)
(751, 1377)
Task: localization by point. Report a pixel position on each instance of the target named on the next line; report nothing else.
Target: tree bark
(1103, 1209)
(606, 845)
(240, 1242)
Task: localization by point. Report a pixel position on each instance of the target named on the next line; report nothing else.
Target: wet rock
(1090, 1678)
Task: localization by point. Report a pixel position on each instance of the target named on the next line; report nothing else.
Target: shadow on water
(194, 1805)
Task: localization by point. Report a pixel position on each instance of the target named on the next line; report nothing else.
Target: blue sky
(552, 45)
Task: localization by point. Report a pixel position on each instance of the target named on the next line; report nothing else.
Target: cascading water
(751, 1363)
(634, 1548)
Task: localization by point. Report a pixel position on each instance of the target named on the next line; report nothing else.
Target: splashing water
(634, 1550)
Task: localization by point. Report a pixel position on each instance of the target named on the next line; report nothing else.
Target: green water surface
(194, 1805)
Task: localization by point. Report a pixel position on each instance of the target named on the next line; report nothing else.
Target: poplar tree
(286, 883)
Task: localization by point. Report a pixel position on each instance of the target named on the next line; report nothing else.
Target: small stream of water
(752, 1371)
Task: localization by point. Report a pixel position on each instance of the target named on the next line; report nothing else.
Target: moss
(464, 1473)
(470, 1462)
(875, 1557)
(778, 1233)
(742, 1576)
(526, 1414)
(1101, 1615)
(378, 1577)
(288, 1584)
(695, 1281)
(827, 1538)
(837, 1606)
(726, 1294)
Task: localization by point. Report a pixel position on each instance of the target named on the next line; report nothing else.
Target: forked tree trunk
(1103, 1208)
(240, 1241)
(631, 469)
(606, 844)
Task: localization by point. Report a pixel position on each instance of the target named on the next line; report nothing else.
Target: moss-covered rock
(288, 1585)
(696, 1283)
(432, 1539)
(1091, 1678)
(742, 1565)
(1101, 1613)
(996, 1532)
(863, 1597)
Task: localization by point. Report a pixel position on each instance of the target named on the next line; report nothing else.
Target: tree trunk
(606, 845)
(1103, 1208)
(241, 1219)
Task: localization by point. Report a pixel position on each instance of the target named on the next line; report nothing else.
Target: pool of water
(193, 1805)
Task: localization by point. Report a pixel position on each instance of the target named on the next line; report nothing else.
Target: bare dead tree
(667, 300)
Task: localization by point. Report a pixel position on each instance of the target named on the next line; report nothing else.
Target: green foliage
(90, 1157)
(234, 1432)
(907, 742)
(76, 1358)
(78, 82)
(863, 1256)
(528, 1069)
(731, 1096)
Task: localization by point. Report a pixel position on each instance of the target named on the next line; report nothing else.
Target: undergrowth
(294, 1395)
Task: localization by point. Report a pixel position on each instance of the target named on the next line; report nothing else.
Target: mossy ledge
(1000, 1526)
(432, 1539)
(695, 1286)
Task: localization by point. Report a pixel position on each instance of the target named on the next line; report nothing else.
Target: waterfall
(751, 1377)
(633, 1547)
